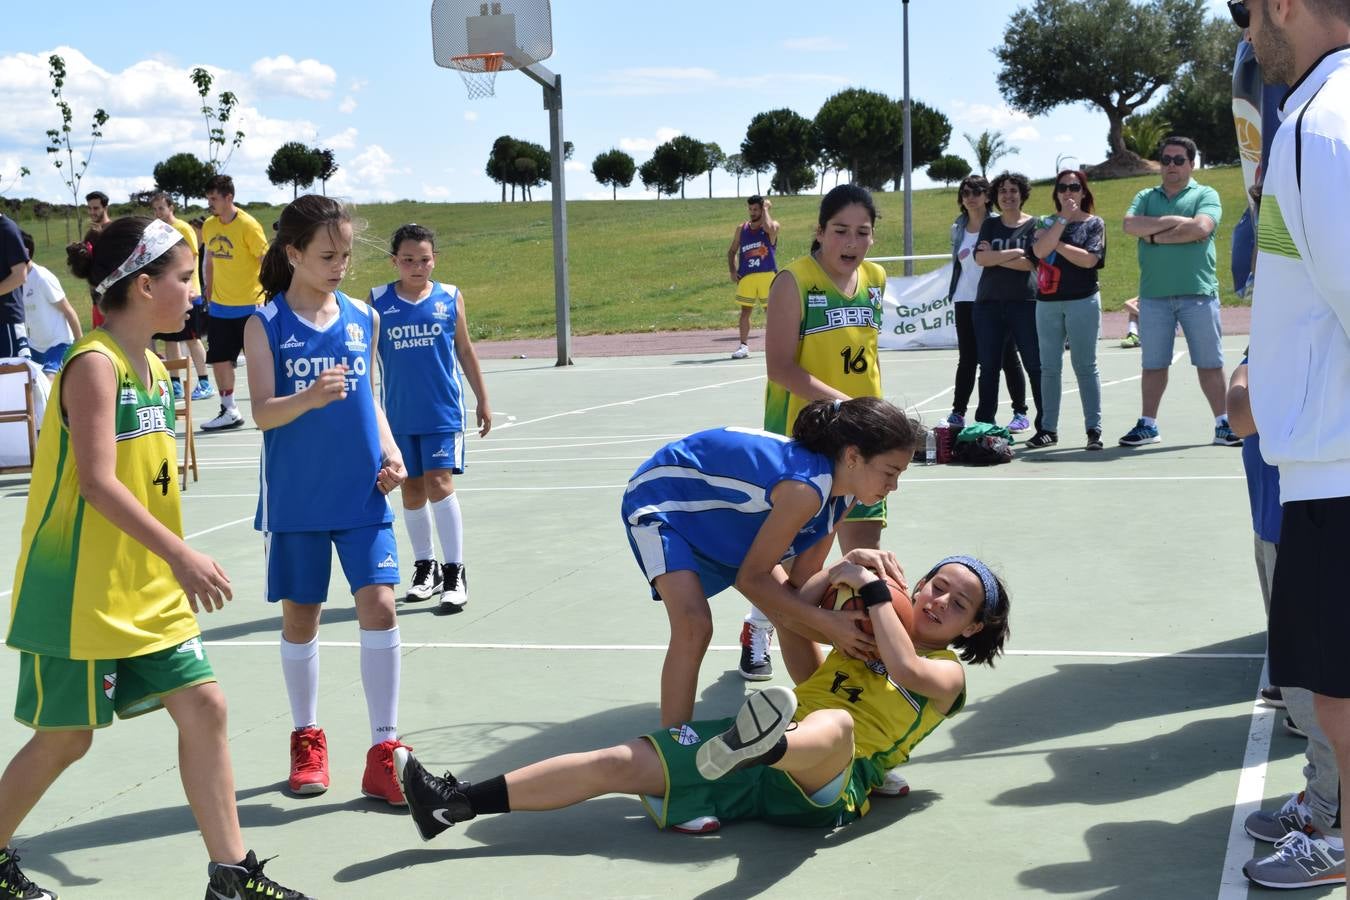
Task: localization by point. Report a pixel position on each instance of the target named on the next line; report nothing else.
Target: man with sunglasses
(1178, 285)
(1299, 381)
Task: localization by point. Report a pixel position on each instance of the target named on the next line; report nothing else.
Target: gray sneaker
(1299, 860)
(1270, 827)
(763, 719)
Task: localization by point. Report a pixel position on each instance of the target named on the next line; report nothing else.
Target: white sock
(449, 528)
(757, 618)
(419, 531)
(1151, 423)
(300, 669)
(1132, 328)
(1221, 420)
(380, 667)
(227, 400)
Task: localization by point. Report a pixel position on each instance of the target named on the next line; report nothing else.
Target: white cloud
(470, 115)
(348, 105)
(343, 140)
(575, 166)
(358, 84)
(1025, 133)
(820, 44)
(306, 78)
(647, 145)
(435, 192)
(1063, 138)
(980, 116)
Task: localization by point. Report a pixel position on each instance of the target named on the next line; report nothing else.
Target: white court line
(1233, 885)
(586, 409)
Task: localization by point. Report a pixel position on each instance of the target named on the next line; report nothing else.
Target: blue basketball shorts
(659, 549)
(423, 452)
(299, 562)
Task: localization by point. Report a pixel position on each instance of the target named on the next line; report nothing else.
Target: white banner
(917, 314)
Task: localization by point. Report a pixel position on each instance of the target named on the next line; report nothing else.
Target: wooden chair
(183, 413)
(27, 415)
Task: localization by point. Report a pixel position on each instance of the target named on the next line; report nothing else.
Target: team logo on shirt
(817, 299)
(356, 338)
(110, 685)
(164, 394)
(128, 395)
(388, 563)
(877, 666)
(685, 736)
(390, 311)
(440, 310)
(874, 295)
(292, 343)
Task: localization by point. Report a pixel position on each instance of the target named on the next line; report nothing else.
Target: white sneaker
(426, 582)
(230, 417)
(698, 825)
(741, 352)
(763, 719)
(893, 786)
(454, 587)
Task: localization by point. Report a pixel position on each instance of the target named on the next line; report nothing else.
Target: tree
(501, 162)
(659, 173)
(716, 159)
(948, 169)
(989, 148)
(294, 164)
(857, 129)
(736, 167)
(13, 180)
(1202, 97)
(329, 167)
(43, 213)
(183, 174)
(226, 101)
(614, 168)
(58, 139)
(1113, 54)
(930, 132)
(684, 158)
(532, 167)
(784, 140)
(1143, 133)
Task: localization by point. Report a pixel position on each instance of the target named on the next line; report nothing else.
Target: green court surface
(1112, 753)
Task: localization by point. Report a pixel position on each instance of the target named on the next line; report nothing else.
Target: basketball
(841, 596)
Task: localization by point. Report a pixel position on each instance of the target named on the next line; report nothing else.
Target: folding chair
(183, 413)
(26, 415)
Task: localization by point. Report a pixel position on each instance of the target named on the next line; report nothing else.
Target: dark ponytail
(101, 252)
(840, 197)
(300, 221)
(868, 423)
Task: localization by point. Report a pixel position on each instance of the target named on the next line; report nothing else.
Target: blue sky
(359, 77)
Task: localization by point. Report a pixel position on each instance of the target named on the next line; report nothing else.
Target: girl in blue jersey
(729, 506)
(328, 462)
(424, 347)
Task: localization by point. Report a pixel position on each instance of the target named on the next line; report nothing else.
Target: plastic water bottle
(930, 447)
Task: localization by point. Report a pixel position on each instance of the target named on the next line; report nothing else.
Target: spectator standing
(50, 319)
(13, 273)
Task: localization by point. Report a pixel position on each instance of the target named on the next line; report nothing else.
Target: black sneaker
(13, 883)
(246, 882)
(435, 803)
(1271, 695)
(426, 582)
(1291, 727)
(454, 587)
(1044, 439)
(764, 718)
(1094, 441)
(755, 640)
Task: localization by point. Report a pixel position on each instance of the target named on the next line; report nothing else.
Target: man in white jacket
(1300, 378)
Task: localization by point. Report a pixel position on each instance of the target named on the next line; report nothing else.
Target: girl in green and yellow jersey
(820, 343)
(106, 589)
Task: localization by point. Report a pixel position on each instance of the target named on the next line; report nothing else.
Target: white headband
(155, 240)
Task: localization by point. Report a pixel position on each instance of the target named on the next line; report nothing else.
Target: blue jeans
(995, 322)
(1080, 321)
(1198, 317)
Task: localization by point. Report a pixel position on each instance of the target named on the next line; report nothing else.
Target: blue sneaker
(1224, 437)
(177, 390)
(203, 392)
(1019, 424)
(1140, 434)
(956, 421)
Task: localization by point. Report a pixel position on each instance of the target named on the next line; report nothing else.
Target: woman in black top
(1071, 247)
(1005, 302)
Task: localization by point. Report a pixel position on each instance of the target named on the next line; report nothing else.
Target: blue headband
(981, 570)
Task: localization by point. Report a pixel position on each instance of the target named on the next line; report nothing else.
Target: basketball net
(479, 71)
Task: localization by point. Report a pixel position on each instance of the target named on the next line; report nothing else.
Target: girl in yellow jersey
(853, 721)
(820, 343)
(105, 590)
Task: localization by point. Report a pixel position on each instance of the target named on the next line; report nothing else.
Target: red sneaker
(309, 761)
(381, 781)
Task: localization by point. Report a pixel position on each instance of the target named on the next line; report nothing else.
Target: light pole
(909, 157)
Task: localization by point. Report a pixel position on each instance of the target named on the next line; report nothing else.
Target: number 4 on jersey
(162, 478)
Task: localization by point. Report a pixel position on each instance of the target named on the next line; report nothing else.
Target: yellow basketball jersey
(84, 589)
(837, 342)
(888, 720)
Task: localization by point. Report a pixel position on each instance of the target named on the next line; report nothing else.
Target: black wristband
(874, 593)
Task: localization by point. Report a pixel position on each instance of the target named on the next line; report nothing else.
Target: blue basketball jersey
(421, 385)
(713, 488)
(318, 471)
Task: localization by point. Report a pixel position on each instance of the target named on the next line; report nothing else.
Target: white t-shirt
(47, 327)
(970, 273)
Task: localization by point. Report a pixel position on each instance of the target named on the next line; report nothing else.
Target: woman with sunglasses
(974, 202)
(1070, 247)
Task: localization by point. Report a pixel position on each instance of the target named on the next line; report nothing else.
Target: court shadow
(1147, 858)
(1083, 698)
(1070, 449)
(710, 361)
(272, 626)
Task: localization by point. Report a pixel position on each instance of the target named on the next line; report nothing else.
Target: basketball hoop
(479, 72)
